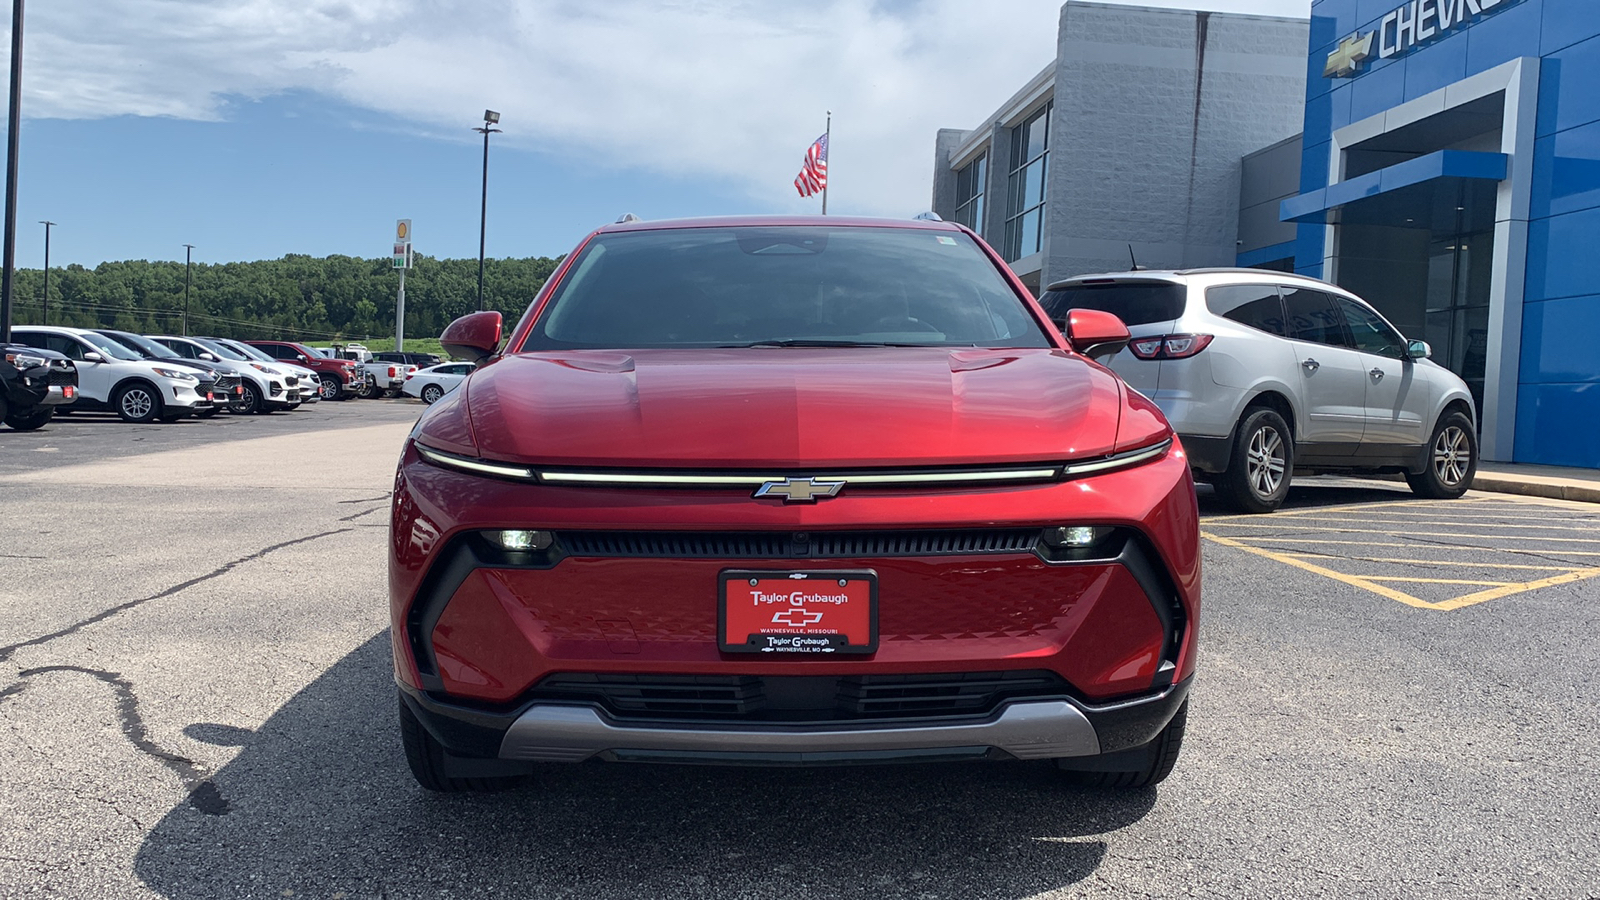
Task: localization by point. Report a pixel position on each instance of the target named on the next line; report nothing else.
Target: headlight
(26, 360)
(260, 368)
(176, 374)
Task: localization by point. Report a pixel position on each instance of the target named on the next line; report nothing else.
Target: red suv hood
(749, 408)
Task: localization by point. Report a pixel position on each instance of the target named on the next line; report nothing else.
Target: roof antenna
(1135, 260)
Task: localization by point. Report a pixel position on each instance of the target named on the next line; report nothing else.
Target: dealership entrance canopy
(1451, 175)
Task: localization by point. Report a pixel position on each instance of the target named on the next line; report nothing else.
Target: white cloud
(730, 89)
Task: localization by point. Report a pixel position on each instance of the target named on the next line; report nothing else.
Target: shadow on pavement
(320, 804)
(1313, 492)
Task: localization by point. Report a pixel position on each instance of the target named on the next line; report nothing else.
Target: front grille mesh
(799, 698)
(797, 545)
(62, 375)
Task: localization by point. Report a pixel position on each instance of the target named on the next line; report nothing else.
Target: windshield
(109, 347)
(1134, 302)
(142, 345)
(221, 350)
(784, 286)
(250, 352)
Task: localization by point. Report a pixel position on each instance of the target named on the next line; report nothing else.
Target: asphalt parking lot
(1396, 698)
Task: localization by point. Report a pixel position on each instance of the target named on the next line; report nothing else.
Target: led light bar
(476, 466)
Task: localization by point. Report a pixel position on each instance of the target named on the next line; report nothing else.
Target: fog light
(522, 540)
(1074, 536)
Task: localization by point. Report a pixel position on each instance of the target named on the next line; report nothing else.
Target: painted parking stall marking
(1436, 555)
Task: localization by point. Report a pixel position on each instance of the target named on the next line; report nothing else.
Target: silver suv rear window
(1134, 302)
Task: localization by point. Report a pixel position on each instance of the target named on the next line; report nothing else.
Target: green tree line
(297, 297)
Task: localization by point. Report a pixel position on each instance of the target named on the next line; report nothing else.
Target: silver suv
(1265, 374)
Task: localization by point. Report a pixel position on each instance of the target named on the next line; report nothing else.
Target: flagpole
(828, 135)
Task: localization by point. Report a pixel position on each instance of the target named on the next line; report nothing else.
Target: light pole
(47, 225)
(188, 266)
(12, 146)
(490, 119)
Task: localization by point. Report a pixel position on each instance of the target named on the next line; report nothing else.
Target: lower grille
(226, 383)
(799, 698)
(63, 375)
(797, 545)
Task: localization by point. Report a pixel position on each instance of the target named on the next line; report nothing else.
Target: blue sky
(256, 128)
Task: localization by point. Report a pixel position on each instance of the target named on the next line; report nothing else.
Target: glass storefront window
(1025, 186)
(970, 181)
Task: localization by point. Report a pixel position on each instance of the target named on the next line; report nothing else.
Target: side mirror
(208, 357)
(1095, 334)
(1418, 350)
(92, 356)
(475, 336)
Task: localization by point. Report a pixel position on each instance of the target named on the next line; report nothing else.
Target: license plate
(798, 613)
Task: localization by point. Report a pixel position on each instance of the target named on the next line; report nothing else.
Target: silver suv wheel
(1260, 464)
(1452, 456)
(1265, 464)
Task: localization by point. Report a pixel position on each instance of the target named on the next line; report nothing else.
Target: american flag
(813, 175)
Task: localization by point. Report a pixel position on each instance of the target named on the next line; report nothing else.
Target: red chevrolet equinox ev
(787, 491)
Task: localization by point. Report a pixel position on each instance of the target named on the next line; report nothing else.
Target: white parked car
(265, 388)
(1265, 375)
(307, 384)
(435, 381)
(112, 377)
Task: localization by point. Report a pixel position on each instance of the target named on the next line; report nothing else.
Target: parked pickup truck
(383, 379)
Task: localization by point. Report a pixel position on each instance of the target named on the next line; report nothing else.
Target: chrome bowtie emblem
(1346, 59)
(800, 490)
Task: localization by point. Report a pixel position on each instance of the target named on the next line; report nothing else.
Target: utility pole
(12, 148)
(47, 225)
(188, 265)
(490, 119)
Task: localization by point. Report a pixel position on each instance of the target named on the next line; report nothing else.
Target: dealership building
(1441, 158)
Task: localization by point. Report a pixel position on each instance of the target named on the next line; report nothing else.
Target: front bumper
(478, 742)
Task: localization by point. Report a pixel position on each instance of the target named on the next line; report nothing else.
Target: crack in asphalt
(203, 793)
(365, 512)
(8, 651)
(368, 499)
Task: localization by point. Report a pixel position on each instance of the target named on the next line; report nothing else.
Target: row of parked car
(148, 378)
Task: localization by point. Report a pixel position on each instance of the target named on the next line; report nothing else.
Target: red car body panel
(496, 630)
(787, 407)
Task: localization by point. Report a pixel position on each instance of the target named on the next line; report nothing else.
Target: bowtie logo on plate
(795, 617)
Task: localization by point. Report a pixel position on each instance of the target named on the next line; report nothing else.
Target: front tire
(137, 403)
(369, 390)
(425, 756)
(31, 421)
(1452, 460)
(1262, 463)
(329, 386)
(249, 401)
(1161, 756)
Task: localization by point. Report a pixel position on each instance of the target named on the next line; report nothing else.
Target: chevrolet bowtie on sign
(1406, 28)
(1349, 55)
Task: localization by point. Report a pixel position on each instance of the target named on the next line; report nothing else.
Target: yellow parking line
(1411, 546)
(1495, 590)
(1440, 562)
(1352, 580)
(1393, 525)
(1401, 512)
(1446, 534)
(1290, 513)
(1441, 581)
(1497, 593)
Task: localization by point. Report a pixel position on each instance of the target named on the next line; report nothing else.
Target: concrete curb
(1556, 490)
